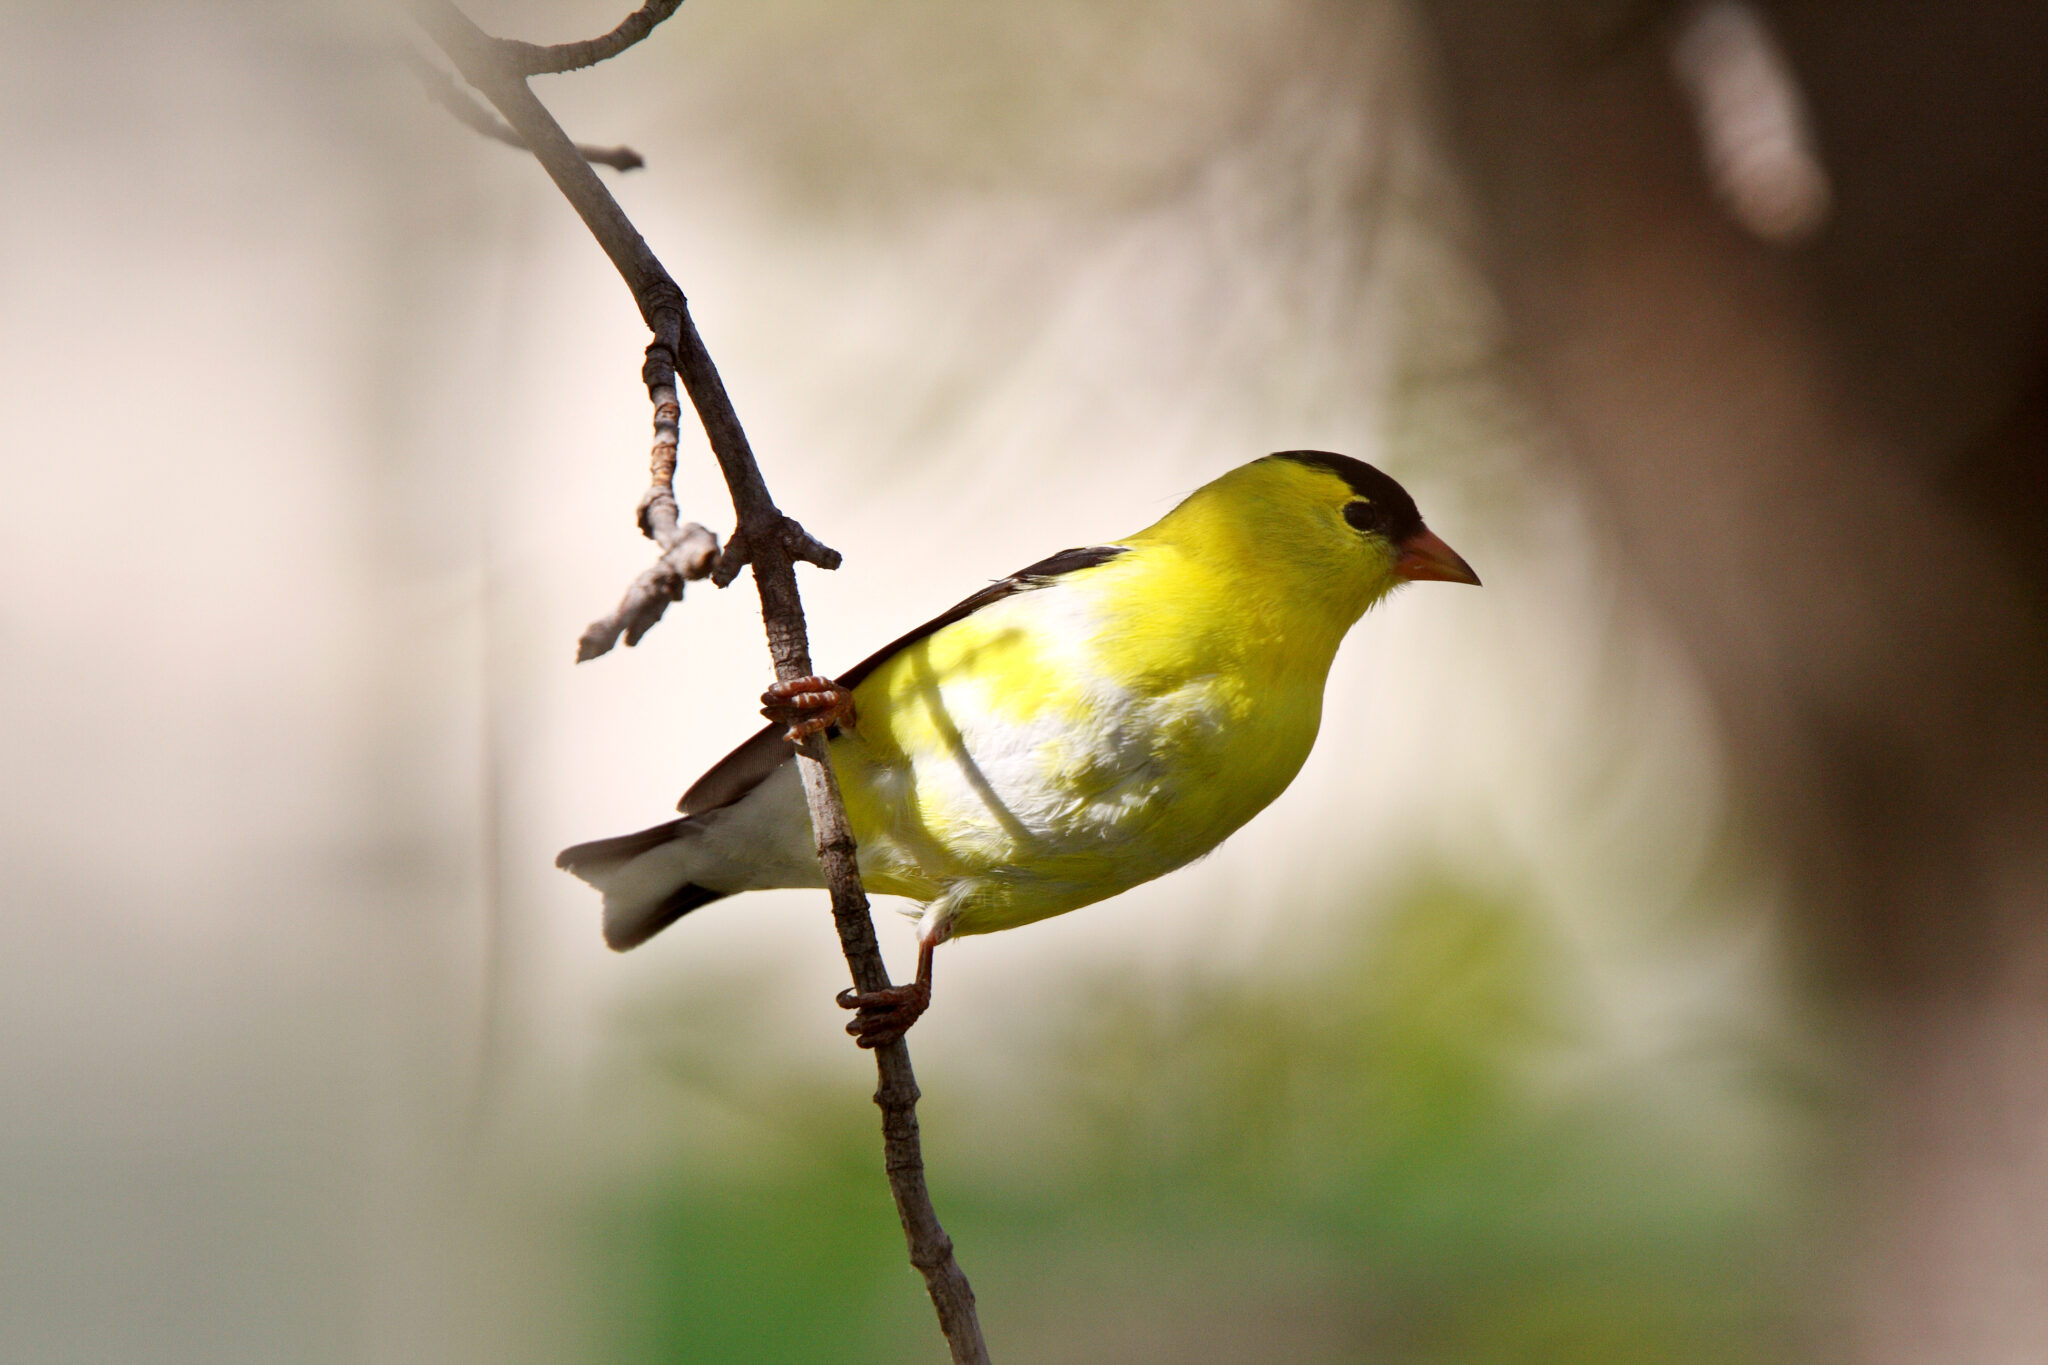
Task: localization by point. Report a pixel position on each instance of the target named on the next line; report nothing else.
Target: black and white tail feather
(635, 908)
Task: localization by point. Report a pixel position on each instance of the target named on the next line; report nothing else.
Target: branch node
(657, 517)
(788, 534)
(658, 371)
(931, 1257)
(690, 553)
(802, 545)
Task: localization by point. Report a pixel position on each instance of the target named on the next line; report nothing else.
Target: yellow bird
(1086, 724)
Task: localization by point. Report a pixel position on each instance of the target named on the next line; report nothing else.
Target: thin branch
(772, 543)
(688, 551)
(534, 59)
(442, 90)
(685, 557)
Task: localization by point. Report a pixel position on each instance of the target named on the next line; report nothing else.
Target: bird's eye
(1364, 516)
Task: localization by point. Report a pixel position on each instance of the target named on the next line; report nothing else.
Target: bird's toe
(807, 706)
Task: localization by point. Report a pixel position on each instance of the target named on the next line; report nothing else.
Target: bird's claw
(807, 706)
(887, 1014)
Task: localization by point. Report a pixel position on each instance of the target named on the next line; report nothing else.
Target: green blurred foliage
(1411, 1155)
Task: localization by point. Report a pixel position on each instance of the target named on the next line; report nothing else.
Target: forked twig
(688, 551)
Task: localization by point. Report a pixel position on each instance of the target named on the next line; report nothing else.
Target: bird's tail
(644, 879)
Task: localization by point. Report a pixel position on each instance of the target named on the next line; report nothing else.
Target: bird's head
(1322, 527)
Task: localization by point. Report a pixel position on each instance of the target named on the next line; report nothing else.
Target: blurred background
(1649, 965)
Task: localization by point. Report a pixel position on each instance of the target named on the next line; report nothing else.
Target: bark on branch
(763, 537)
(534, 59)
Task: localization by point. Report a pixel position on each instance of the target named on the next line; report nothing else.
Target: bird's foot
(887, 1014)
(807, 706)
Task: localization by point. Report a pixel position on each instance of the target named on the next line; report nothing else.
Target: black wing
(748, 766)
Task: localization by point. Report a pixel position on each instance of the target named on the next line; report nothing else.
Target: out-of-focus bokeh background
(1649, 966)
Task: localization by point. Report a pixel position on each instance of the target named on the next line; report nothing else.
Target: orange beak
(1425, 556)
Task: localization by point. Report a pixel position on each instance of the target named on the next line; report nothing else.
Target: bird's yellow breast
(1067, 742)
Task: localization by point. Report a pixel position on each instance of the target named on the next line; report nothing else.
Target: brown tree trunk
(1828, 464)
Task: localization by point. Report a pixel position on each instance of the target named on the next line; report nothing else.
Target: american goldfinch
(1086, 724)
